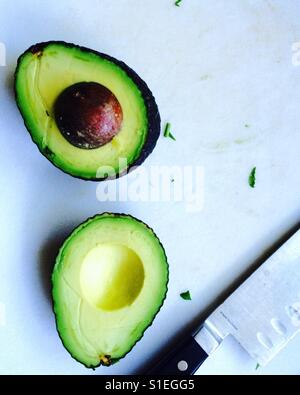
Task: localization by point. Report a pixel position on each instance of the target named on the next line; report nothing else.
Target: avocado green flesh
(109, 281)
(40, 79)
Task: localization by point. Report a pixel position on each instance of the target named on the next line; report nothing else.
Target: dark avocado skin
(114, 360)
(154, 121)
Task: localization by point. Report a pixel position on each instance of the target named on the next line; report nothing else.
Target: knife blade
(262, 314)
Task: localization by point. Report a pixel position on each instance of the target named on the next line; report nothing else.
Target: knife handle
(185, 359)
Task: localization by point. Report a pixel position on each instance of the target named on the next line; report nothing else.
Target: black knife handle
(185, 359)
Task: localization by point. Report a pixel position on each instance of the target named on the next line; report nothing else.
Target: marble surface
(214, 67)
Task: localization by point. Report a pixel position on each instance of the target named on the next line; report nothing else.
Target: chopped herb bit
(257, 366)
(172, 179)
(167, 129)
(247, 125)
(177, 3)
(167, 132)
(252, 178)
(186, 295)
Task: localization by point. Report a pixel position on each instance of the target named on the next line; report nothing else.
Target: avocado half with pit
(90, 114)
(109, 282)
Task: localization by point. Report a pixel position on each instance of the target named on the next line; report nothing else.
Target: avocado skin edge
(70, 235)
(153, 116)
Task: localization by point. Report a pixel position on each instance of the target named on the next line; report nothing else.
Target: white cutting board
(213, 66)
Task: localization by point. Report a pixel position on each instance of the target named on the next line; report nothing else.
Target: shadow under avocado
(47, 256)
(10, 81)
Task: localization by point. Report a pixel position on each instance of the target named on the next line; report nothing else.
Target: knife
(262, 314)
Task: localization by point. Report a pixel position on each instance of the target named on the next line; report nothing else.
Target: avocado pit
(88, 115)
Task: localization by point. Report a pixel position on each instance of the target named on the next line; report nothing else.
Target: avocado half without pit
(109, 282)
(91, 115)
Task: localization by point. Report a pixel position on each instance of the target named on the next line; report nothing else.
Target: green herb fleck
(252, 178)
(257, 366)
(247, 125)
(167, 132)
(172, 179)
(177, 3)
(186, 295)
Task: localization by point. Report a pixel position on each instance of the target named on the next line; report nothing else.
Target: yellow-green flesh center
(111, 276)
